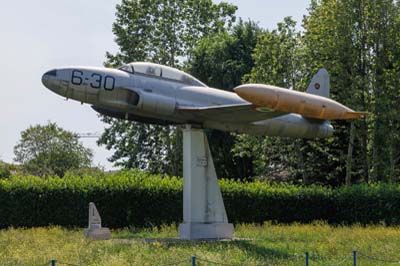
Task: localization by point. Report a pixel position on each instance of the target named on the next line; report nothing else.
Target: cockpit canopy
(164, 72)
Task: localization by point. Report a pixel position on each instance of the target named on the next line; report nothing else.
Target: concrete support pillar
(204, 215)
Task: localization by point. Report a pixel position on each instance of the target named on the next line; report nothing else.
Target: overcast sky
(43, 34)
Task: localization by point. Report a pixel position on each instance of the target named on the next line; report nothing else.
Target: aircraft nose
(49, 77)
(54, 80)
(51, 73)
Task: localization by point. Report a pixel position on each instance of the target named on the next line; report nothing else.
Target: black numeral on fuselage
(96, 83)
(96, 80)
(109, 83)
(75, 79)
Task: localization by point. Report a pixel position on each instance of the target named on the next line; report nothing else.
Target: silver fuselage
(155, 99)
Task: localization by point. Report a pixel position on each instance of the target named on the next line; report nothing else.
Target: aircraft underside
(290, 125)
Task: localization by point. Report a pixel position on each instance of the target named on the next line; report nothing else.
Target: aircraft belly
(290, 125)
(77, 94)
(293, 125)
(92, 96)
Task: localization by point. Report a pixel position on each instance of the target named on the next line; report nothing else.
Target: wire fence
(351, 259)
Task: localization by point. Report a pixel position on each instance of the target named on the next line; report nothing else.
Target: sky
(40, 35)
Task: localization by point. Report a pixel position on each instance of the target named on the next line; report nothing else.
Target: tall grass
(257, 245)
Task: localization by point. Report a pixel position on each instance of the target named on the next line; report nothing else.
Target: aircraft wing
(235, 113)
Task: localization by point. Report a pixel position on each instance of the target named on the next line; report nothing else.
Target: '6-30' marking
(97, 81)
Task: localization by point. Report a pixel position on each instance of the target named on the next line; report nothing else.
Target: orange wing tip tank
(290, 101)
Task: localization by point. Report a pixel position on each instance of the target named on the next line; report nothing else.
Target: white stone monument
(204, 215)
(95, 231)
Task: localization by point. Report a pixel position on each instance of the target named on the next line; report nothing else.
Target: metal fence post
(354, 258)
(53, 262)
(307, 257)
(193, 260)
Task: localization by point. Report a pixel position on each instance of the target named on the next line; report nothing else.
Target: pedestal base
(206, 231)
(98, 233)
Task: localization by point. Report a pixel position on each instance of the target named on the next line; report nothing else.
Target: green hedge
(133, 198)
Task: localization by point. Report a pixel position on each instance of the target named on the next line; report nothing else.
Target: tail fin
(320, 84)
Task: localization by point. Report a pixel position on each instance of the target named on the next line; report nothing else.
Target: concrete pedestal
(95, 231)
(98, 233)
(206, 231)
(204, 215)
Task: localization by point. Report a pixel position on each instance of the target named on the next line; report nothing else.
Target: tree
(49, 149)
(277, 60)
(221, 60)
(161, 31)
(358, 42)
(333, 37)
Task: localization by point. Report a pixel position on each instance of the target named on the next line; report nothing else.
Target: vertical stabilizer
(320, 84)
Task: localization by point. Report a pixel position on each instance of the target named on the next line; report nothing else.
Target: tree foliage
(356, 40)
(164, 30)
(5, 170)
(221, 60)
(50, 150)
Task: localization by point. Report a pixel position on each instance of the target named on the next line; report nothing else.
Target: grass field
(261, 245)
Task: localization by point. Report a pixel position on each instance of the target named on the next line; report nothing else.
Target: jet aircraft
(153, 93)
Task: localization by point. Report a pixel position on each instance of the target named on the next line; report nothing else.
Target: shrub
(134, 198)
